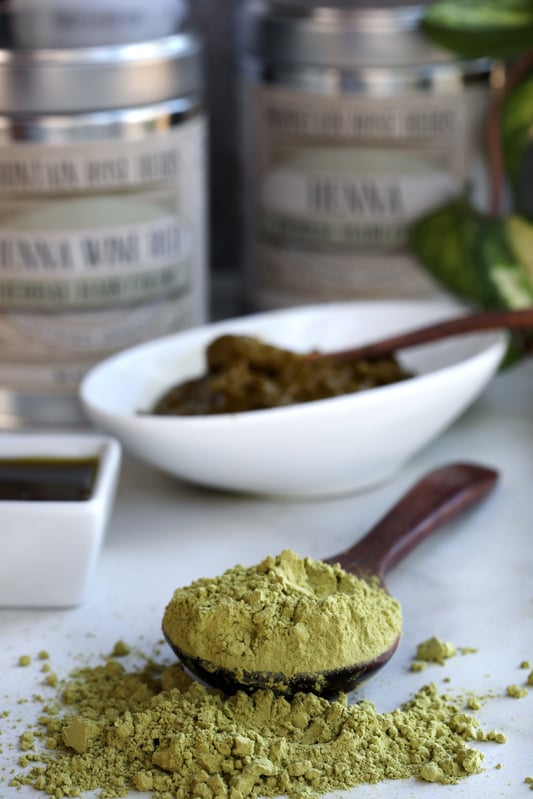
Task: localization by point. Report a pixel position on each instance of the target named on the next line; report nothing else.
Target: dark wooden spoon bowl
(432, 502)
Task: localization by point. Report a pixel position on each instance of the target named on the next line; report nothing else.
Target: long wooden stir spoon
(468, 323)
(434, 500)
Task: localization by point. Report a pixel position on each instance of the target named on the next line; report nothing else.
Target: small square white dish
(49, 547)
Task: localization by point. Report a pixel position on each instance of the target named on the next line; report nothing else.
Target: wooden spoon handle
(469, 323)
(434, 500)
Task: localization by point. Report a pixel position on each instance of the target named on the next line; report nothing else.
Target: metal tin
(102, 212)
(99, 78)
(354, 124)
(76, 23)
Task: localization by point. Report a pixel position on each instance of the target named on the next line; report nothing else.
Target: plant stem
(499, 93)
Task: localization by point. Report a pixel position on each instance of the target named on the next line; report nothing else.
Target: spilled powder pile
(288, 614)
(155, 730)
(436, 651)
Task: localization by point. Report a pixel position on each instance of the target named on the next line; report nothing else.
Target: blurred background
(216, 20)
(169, 163)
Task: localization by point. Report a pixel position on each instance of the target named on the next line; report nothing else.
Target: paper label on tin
(33, 169)
(94, 267)
(102, 246)
(316, 205)
(70, 23)
(336, 180)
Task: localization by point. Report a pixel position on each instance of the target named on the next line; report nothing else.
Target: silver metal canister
(102, 212)
(354, 125)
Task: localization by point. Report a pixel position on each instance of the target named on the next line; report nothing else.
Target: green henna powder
(155, 730)
(287, 614)
(435, 651)
(516, 691)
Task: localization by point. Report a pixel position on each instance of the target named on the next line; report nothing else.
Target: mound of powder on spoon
(287, 614)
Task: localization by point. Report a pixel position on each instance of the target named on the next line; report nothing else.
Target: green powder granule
(27, 740)
(525, 664)
(287, 614)
(121, 649)
(155, 730)
(24, 660)
(516, 691)
(435, 651)
(530, 678)
(473, 703)
(494, 735)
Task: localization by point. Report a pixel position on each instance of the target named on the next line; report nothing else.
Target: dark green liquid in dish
(47, 479)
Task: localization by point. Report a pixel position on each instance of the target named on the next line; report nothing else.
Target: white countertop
(470, 583)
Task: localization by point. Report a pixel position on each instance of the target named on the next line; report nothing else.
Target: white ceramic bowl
(318, 448)
(49, 549)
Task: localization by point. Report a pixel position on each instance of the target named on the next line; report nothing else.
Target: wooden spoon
(469, 323)
(436, 499)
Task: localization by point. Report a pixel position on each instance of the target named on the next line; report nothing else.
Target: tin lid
(341, 33)
(99, 78)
